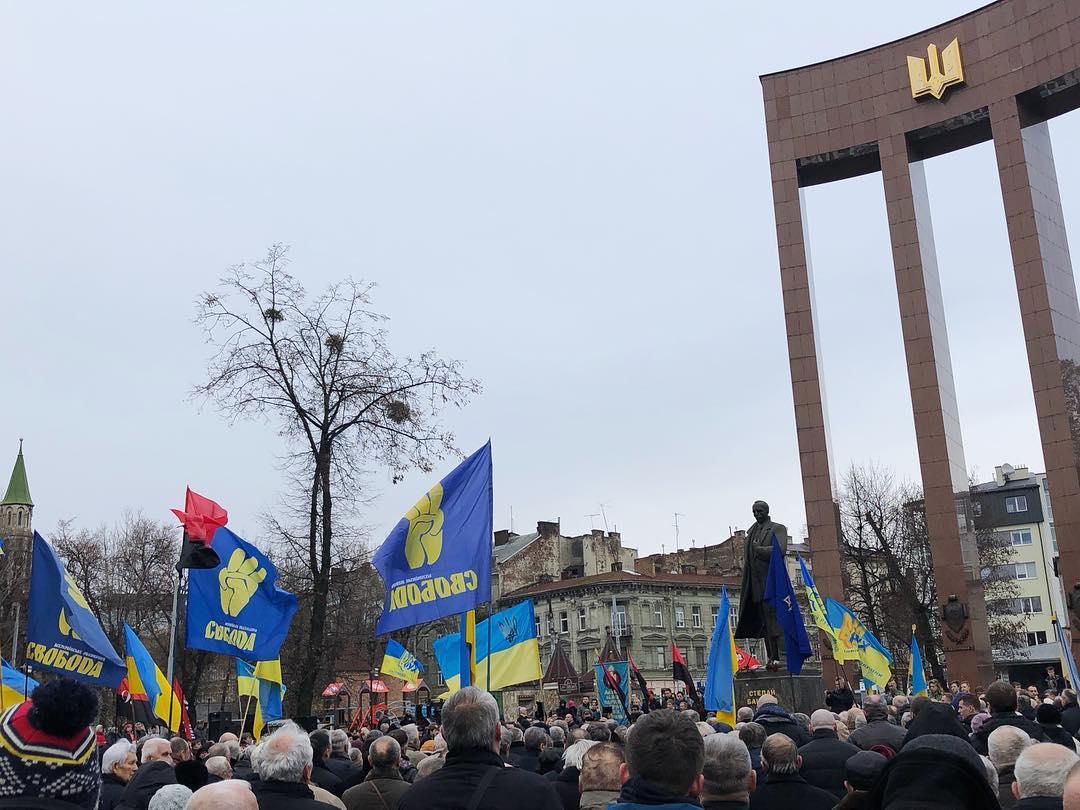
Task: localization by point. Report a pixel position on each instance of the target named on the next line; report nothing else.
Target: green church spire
(18, 491)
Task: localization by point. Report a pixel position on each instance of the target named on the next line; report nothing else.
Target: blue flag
(723, 664)
(61, 632)
(613, 689)
(780, 594)
(236, 608)
(437, 560)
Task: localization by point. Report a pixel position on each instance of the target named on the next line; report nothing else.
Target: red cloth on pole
(746, 660)
(185, 721)
(201, 517)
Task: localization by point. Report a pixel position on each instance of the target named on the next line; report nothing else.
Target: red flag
(201, 517)
(185, 722)
(746, 660)
(680, 672)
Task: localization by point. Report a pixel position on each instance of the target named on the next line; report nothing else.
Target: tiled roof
(516, 544)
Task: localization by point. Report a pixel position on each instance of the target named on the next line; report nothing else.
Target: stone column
(937, 422)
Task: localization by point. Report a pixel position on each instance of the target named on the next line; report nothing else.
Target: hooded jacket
(777, 721)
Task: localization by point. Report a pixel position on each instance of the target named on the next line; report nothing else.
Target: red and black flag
(131, 708)
(639, 679)
(201, 518)
(681, 672)
(185, 721)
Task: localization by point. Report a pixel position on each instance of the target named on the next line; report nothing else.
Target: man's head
(119, 760)
(862, 770)
(1069, 696)
(901, 703)
(766, 700)
(969, 706)
(780, 756)
(727, 773)
(1005, 744)
(535, 739)
(339, 742)
(320, 745)
(598, 732)
(753, 735)
(228, 736)
(875, 708)
(919, 703)
(665, 749)
(1071, 797)
(744, 715)
(557, 734)
(1001, 697)
(822, 719)
(179, 750)
(600, 768)
(470, 719)
(1041, 770)
(384, 753)
(230, 794)
(157, 749)
(286, 756)
(1033, 693)
(219, 767)
(1051, 671)
(761, 511)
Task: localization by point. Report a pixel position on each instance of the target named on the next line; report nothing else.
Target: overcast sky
(572, 198)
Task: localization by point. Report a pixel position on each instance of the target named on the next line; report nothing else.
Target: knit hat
(170, 797)
(863, 769)
(47, 746)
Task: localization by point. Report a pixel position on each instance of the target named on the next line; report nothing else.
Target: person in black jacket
(824, 757)
(784, 789)
(118, 765)
(148, 780)
(474, 774)
(1001, 698)
(528, 759)
(1070, 712)
(320, 774)
(841, 698)
(1049, 717)
(878, 730)
(775, 720)
(1052, 682)
(285, 765)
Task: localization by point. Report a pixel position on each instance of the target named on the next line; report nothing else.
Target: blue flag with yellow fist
(437, 560)
(236, 608)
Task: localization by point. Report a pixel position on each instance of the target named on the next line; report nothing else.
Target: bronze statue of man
(756, 618)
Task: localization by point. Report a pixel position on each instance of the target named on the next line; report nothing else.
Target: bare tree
(323, 370)
(888, 568)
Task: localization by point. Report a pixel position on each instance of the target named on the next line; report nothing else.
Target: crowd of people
(999, 747)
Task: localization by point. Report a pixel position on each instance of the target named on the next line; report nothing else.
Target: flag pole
(490, 611)
(172, 640)
(247, 708)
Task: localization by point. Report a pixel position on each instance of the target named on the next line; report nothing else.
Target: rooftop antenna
(603, 514)
(592, 520)
(511, 518)
(677, 516)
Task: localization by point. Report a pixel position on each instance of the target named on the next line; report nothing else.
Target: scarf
(638, 790)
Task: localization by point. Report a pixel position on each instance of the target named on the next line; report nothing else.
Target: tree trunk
(320, 557)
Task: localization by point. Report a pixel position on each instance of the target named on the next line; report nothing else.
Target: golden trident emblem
(934, 75)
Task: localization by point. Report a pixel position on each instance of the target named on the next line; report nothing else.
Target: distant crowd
(1002, 746)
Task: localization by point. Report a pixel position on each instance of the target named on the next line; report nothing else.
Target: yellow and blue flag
(781, 595)
(1, 547)
(261, 684)
(144, 678)
(400, 663)
(722, 666)
(468, 648)
(841, 652)
(515, 651)
(437, 560)
(61, 632)
(236, 608)
(916, 676)
(874, 660)
(15, 686)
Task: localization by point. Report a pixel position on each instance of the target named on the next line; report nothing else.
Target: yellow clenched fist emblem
(423, 544)
(239, 580)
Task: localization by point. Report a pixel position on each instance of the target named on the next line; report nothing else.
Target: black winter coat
(823, 760)
(999, 719)
(526, 760)
(150, 777)
(112, 791)
(776, 721)
(342, 767)
(273, 795)
(326, 779)
(840, 700)
(1057, 734)
(452, 786)
(1070, 718)
(566, 786)
(790, 793)
(878, 732)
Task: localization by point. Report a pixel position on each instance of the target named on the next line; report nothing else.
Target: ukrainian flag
(874, 660)
(144, 678)
(723, 664)
(12, 685)
(514, 650)
(916, 676)
(400, 663)
(841, 652)
(261, 684)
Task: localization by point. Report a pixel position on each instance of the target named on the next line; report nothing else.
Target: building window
(581, 619)
(618, 620)
(1038, 637)
(976, 508)
(658, 615)
(1017, 503)
(695, 615)
(699, 656)
(564, 622)
(539, 628)
(1053, 537)
(1025, 570)
(715, 611)
(660, 662)
(617, 565)
(586, 662)
(680, 617)
(442, 680)
(1021, 537)
(1029, 604)
(733, 616)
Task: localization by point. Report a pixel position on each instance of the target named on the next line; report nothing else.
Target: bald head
(228, 736)
(230, 794)
(822, 718)
(1005, 745)
(780, 756)
(384, 753)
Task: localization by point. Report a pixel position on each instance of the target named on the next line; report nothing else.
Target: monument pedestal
(796, 693)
